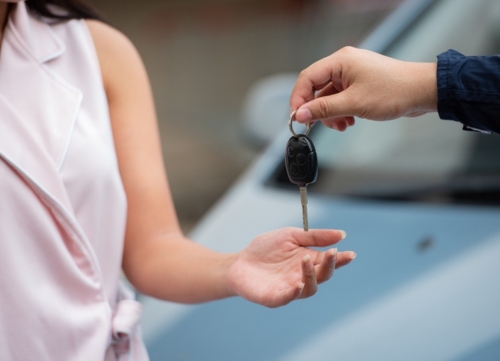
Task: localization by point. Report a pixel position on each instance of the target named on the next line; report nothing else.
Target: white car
(420, 201)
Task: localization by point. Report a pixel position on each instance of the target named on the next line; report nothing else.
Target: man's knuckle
(347, 50)
(303, 74)
(323, 108)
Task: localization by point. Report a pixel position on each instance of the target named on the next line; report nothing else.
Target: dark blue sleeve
(469, 90)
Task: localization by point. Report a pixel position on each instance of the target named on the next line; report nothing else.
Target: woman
(84, 194)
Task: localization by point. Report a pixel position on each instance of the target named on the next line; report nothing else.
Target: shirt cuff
(469, 90)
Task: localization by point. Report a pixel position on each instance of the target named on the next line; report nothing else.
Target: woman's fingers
(317, 237)
(344, 258)
(285, 296)
(327, 265)
(312, 274)
(308, 277)
(330, 260)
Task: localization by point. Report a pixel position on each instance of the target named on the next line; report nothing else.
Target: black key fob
(301, 160)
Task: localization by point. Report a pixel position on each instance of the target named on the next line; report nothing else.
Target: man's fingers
(339, 124)
(313, 78)
(338, 105)
(330, 89)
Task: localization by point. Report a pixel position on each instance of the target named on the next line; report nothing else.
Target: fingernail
(308, 265)
(354, 255)
(303, 115)
(343, 234)
(334, 253)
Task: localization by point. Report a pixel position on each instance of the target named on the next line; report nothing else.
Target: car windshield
(422, 159)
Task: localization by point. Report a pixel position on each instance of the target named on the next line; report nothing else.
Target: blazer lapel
(38, 110)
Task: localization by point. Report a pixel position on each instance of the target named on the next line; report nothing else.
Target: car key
(301, 165)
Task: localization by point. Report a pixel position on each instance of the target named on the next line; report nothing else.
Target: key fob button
(301, 159)
(294, 169)
(291, 152)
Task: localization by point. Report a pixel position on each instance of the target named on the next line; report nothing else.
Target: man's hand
(355, 82)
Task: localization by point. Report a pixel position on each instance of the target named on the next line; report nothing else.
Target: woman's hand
(355, 82)
(277, 267)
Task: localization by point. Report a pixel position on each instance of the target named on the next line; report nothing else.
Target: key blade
(303, 201)
(304, 217)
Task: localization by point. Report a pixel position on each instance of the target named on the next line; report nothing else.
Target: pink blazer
(62, 204)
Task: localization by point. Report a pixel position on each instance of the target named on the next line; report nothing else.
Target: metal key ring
(292, 116)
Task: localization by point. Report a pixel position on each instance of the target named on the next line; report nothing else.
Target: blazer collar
(36, 37)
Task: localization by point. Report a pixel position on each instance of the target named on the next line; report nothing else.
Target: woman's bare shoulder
(117, 55)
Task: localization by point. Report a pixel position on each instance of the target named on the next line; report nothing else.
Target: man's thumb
(331, 106)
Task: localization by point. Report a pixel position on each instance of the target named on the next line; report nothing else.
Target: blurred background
(203, 56)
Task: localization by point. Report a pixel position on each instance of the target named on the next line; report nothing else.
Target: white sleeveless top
(62, 203)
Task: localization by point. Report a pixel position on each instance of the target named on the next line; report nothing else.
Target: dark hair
(68, 9)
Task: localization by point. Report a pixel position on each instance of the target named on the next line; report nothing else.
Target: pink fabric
(126, 335)
(62, 205)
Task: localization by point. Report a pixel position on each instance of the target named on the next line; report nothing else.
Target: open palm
(277, 267)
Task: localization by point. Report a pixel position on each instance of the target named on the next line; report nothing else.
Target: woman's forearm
(177, 269)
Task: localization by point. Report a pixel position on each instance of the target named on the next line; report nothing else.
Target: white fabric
(62, 204)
